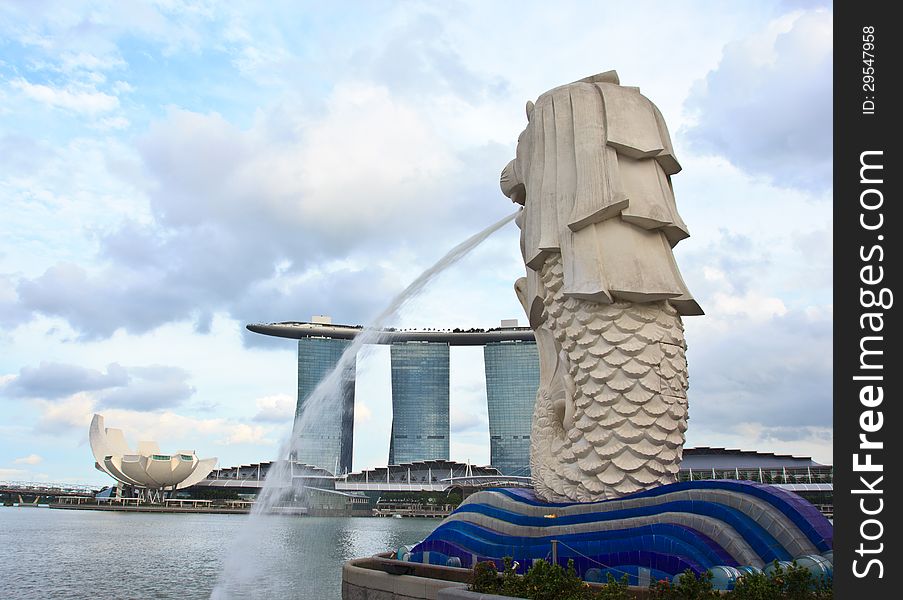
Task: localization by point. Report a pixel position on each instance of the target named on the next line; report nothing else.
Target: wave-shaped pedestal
(654, 534)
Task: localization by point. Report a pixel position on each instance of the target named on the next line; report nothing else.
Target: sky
(173, 170)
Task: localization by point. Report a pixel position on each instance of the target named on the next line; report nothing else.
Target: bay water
(51, 553)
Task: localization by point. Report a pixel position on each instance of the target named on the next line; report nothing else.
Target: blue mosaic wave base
(654, 534)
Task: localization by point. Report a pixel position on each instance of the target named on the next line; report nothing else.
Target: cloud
(242, 433)
(97, 306)
(362, 413)
(760, 359)
(168, 428)
(319, 169)
(143, 387)
(774, 372)
(31, 459)
(87, 61)
(767, 107)
(258, 222)
(464, 420)
(816, 442)
(65, 415)
(108, 123)
(471, 448)
(805, 4)
(86, 100)
(12, 311)
(279, 408)
(52, 380)
(751, 304)
(416, 57)
(12, 473)
(150, 388)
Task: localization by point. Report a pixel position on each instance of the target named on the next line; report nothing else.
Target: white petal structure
(146, 467)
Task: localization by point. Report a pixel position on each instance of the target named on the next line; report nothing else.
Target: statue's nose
(507, 179)
(511, 186)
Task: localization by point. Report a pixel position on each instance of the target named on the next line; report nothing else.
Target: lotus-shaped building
(146, 467)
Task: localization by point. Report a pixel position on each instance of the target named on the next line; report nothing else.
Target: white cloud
(812, 441)
(767, 107)
(750, 304)
(166, 427)
(141, 387)
(239, 212)
(113, 123)
(243, 433)
(86, 100)
(321, 181)
(59, 416)
(464, 420)
(713, 274)
(369, 145)
(86, 61)
(12, 473)
(362, 413)
(31, 459)
(473, 449)
(279, 408)
(123, 87)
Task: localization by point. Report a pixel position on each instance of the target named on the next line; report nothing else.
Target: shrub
(688, 587)
(614, 590)
(543, 581)
(484, 578)
(756, 586)
(793, 583)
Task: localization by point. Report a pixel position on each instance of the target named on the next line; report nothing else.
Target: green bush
(688, 587)
(484, 578)
(613, 590)
(543, 581)
(793, 583)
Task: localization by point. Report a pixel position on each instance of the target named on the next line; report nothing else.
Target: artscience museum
(146, 469)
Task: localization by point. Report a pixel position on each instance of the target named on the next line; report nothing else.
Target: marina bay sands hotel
(420, 391)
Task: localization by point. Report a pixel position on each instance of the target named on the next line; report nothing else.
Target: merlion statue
(603, 292)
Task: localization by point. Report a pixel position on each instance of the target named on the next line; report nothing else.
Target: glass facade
(325, 441)
(512, 378)
(419, 402)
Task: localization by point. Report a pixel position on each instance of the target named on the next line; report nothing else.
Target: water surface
(48, 553)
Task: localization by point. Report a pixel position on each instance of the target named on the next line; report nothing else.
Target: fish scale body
(627, 371)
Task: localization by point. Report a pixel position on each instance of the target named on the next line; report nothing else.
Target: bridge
(32, 492)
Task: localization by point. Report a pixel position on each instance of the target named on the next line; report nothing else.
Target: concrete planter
(464, 594)
(378, 578)
(382, 578)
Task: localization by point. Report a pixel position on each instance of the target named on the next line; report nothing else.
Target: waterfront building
(420, 391)
(324, 440)
(145, 468)
(416, 476)
(798, 474)
(420, 400)
(512, 378)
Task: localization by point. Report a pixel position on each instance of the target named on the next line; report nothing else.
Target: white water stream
(242, 573)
